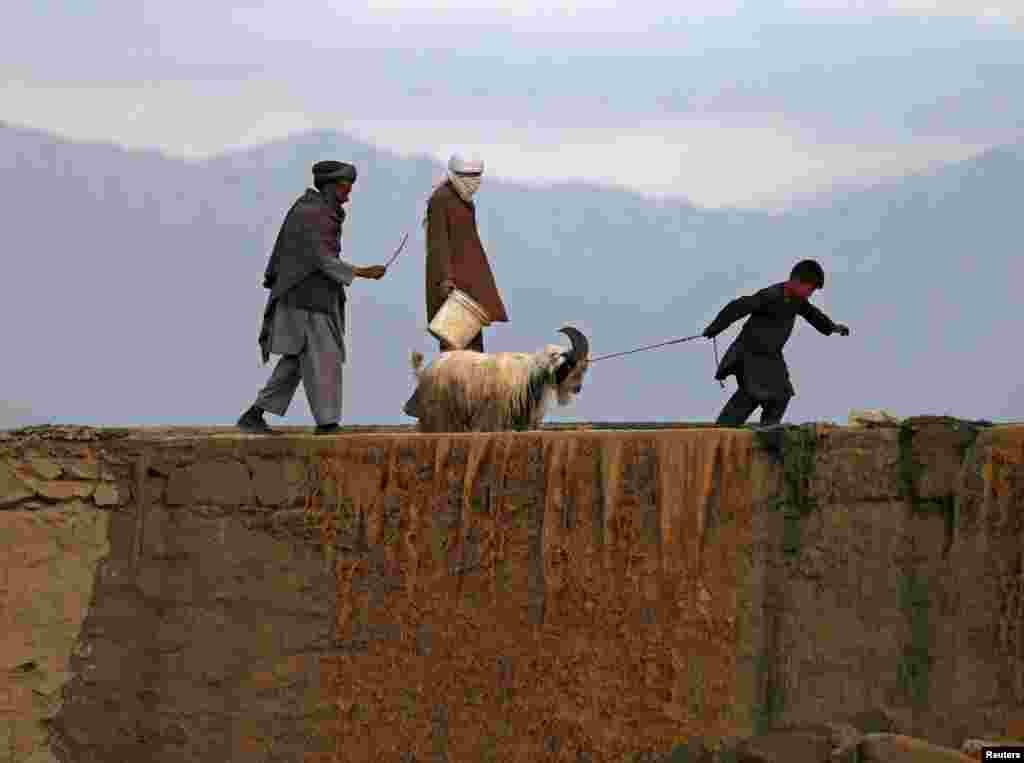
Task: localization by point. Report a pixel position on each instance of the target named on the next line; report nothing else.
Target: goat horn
(580, 345)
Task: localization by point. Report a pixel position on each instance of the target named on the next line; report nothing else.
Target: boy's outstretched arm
(822, 322)
(740, 307)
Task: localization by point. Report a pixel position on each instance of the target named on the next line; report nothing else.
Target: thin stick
(648, 347)
(398, 250)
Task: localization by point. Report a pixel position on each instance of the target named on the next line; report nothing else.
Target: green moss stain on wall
(911, 470)
(915, 660)
(799, 454)
(768, 710)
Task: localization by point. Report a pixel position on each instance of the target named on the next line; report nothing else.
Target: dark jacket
(303, 270)
(455, 252)
(755, 358)
(311, 229)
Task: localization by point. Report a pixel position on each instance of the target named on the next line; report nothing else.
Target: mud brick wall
(160, 603)
(896, 585)
(560, 596)
(56, 502)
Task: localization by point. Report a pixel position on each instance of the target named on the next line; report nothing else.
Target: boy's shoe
(328, 429)
(251, 422)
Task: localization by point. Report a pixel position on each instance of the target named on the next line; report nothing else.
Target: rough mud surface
(657, 592)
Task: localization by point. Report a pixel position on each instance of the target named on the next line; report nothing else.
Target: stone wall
(200, 595)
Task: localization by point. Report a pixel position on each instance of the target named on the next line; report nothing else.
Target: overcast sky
(726, 103)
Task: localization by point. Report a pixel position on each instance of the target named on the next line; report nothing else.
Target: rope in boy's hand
(714, 344)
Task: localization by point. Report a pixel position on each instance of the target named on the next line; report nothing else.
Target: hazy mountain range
(132, 290)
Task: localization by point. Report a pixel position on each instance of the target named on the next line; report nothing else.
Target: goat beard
(564, 392)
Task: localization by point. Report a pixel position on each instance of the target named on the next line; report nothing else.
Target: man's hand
(842, 329)
(446, 287)
(376, 272)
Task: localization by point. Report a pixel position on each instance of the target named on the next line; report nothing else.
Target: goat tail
(417, 362)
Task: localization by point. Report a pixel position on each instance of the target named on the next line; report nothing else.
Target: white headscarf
(465, 186)
(457, 169)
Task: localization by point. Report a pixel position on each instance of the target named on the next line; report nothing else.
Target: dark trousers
(739, 407)
(476, 344)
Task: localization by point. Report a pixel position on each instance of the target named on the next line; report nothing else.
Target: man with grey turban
(304, 320)
(455, 254)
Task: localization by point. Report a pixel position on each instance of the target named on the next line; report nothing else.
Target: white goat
(466, 391)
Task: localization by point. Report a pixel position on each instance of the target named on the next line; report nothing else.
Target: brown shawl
(454, 251)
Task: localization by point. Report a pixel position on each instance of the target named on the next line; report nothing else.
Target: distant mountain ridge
(137, 295)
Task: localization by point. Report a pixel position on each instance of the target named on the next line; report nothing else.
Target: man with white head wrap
(455, 254)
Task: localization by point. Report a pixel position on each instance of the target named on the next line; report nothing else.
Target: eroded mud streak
(502, 519)
(654, 508)
(410, 524)
(697, 475)
(611, 467)
(625, 607)
(554, 540)
(475, 522)
(349, 495)
(671, 497)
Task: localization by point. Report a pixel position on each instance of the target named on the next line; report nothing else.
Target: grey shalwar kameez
(755, 358)
(304, 320)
